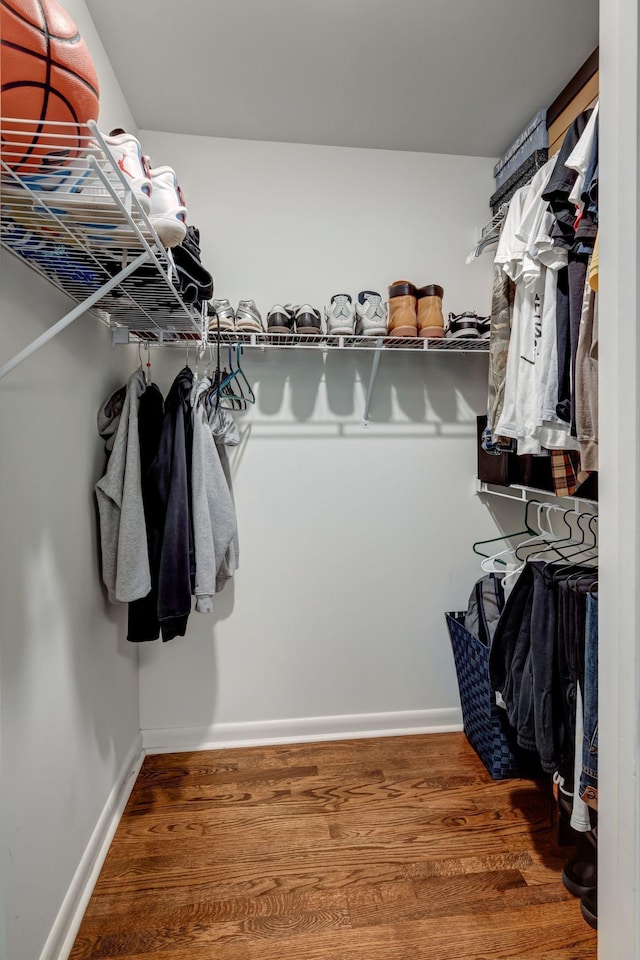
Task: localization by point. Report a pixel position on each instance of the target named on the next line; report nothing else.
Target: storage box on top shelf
(534, 137)
(520, 178)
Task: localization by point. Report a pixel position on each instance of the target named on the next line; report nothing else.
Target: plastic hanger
(584, 553)
(547, 545)
(581, 545)
(225, 392)
(555, 542)
(507, 536)
(488, 564)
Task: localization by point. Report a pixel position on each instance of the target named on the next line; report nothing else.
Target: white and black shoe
(248, 319)
(484, 327)
(371, 315)
(307, 319)
(280, 320)
(340, 316)
(462, 325)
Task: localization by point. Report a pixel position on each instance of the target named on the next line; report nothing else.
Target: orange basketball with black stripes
(47, 75)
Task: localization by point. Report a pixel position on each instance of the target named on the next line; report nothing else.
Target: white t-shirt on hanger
(519, 416)
(580, 156)
(509, 256)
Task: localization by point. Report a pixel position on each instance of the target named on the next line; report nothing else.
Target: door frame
(619, 475)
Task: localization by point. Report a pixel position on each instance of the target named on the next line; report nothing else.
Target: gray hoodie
(123, 534)
(214, 518)
(225, 433)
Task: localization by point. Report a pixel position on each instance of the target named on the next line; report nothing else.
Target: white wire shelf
(68, 212)
(324, 341)
(522, 494)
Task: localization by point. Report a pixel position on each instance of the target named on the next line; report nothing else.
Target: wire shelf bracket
(68, 318)
(372, 379)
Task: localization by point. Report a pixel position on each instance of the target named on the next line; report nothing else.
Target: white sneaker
(84, 190)
(340, 316)
(248, 319)
(371, 315)
(168, 212)
(126, 154)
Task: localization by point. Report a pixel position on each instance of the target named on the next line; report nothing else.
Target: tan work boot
(430, 318)
(402, 309)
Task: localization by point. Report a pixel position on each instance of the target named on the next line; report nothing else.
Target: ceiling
(441, 76)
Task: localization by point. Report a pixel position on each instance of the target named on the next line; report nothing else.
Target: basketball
(47, 75)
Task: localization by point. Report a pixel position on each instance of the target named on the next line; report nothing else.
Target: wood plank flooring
(398, 848)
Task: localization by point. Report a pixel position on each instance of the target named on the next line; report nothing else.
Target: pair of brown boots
(415, 311)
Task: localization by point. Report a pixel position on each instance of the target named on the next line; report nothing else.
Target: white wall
(69, 694)
(353, 542)
(114, 109)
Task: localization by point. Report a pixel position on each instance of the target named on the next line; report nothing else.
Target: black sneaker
(308, 320)
(194, 281)
(280, 320)
(462, 325)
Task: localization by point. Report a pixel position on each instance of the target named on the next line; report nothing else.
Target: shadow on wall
(196, 692)
(326, 392)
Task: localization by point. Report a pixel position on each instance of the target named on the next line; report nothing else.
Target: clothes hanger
(528, 530)
(547, 536)
(235, 398)
(141, 365)
(488, 563)
(550, 545)
(570, 539)
(241, 378)
(584, 537)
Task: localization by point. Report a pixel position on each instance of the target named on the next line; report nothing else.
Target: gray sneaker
(248, 319)
(221, 316)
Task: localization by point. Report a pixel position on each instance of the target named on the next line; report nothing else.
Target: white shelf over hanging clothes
(524, 494)
(97, 244)
(321, 341)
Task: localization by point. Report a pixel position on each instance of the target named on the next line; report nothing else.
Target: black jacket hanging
(143, 614)
(170, 502)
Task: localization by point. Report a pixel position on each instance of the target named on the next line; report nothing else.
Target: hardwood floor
(398, 848)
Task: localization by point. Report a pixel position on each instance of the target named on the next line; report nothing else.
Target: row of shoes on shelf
(368, 316)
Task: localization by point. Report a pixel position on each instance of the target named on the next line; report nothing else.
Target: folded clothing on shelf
(518, 179)
(534, 137)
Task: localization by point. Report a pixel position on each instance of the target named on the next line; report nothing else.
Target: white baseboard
(302, 730)
(65, 928)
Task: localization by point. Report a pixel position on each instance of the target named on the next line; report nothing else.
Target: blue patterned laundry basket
(485, 724)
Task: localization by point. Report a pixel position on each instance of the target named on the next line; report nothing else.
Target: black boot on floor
(580, 872)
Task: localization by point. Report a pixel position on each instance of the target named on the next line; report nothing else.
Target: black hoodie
(169, 510)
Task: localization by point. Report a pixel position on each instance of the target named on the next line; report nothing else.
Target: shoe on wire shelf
(248, 318)
(77, 187)
(307, 319)
(371, 315)
(280, 320)
(168, 211)
(340, 316)
(222, 316)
